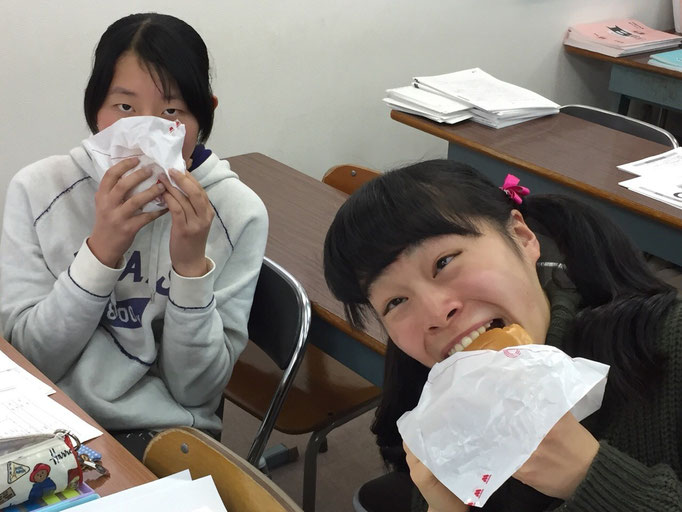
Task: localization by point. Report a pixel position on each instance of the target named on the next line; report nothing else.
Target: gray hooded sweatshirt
(138, 346)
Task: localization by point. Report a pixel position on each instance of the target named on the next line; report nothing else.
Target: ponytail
(623, 302)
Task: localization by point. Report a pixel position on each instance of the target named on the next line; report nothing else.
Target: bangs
(173, 53)
(377, 223)
(178, 62)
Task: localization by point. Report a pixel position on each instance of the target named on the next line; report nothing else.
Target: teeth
(468, 339)
(457, 348)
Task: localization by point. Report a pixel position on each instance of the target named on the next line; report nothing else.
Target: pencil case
(35, 465)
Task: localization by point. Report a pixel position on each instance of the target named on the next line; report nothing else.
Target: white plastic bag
(483, 413)
(157, 143)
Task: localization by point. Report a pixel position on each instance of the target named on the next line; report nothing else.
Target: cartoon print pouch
(31, 466)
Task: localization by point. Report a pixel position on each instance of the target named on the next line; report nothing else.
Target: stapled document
(659, 177)
(472, 93)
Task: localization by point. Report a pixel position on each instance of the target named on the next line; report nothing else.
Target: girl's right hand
(439, 497)
(117, 220)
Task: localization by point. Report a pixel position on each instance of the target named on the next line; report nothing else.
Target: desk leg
(654, 88)
(361, 359)
(624, 105)
(650, 236)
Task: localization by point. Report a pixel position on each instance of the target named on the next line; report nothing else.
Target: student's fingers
(127, 184)
(185, 180)
(174, 202)
(178, 205)
(137, 201)
(142, 219)
(409, 456)
(439, 497)
(111, 177)
(195, 193)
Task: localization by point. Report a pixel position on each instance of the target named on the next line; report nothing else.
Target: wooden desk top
(301, 209)
(564, 149)
(125, 470)
(638, 60)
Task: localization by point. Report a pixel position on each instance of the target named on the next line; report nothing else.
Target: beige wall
(301, 81)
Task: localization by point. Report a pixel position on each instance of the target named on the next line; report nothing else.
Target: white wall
(301, 81)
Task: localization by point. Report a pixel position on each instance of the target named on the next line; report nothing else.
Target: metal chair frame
(270, 270)
(622, 123)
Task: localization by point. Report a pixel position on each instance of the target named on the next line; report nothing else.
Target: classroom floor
(351, 460)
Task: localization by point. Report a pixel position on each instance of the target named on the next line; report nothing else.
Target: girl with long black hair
(436, 251)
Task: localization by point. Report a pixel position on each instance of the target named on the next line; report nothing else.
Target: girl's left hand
(191, 217)
(562, 459)
(438, 497)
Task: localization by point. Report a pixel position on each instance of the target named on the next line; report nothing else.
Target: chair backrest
(348, 178)
(621, 123)
(278, 324)
(241, 486)
(280, 314)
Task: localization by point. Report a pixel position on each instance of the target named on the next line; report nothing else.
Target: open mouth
(496, 323)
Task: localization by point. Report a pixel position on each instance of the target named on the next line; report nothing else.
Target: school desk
(125, 471)
(300, 209)
(564, 154)
(632, 77)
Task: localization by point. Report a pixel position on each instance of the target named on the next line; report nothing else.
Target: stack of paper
(619, 37)
(660, 177)
(668, 60)
(428, 104)
(175, 493)
(26, 408)
(491, 102)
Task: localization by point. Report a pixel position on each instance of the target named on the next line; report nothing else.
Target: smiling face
(136, 92)
(450, 286)
(40, 476)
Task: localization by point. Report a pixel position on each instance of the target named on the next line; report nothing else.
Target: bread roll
(499, 338)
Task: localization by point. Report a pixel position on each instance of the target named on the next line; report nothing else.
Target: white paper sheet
(433, 103)
(13, 376)
(669, 163)
(483, 413)
(453, 118)
(667, 189)
(23, 412)
(18, 378)
(175, 493)
(486, 92)
(157, 143)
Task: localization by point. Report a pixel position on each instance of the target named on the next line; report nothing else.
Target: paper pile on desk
(668, 60)
(174, 493)
(26, 408)
(427, 104)
(471, 93)
(617, 38)
(660, 177)
(483, 413)
(155, 141)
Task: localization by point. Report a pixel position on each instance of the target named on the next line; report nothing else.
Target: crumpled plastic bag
(157, 142)
(483, 413)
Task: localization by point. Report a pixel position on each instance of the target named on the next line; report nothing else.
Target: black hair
(170, 48)
(622, 302)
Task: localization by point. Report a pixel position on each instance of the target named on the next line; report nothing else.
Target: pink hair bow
(512, 188)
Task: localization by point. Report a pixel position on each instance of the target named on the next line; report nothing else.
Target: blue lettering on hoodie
(126, 313)
(133, 267)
